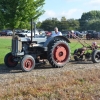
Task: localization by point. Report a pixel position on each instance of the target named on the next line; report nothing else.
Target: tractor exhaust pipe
(32, 29)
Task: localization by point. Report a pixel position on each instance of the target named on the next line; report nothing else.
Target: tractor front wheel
(9, 60)
(27, 63)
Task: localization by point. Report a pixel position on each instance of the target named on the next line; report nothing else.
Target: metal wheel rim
(10, 60)
(60, 53)
(28, 63)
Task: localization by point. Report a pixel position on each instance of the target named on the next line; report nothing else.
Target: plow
(91, 52)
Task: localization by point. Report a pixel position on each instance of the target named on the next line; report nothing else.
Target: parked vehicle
(65, 33)
(79, 34)
(98, 35)
(3, 32)
(6, 33)
(91, 34)
(9, 32)
(27, 33)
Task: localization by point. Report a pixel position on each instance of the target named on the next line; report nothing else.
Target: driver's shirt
(56, 34)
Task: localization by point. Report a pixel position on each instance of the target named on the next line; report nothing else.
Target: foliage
(64, 24)
(73, 24)
(63, 19)
(94, 25)
(90, 20)
(49, 24)
(18, 13)
(38, 24)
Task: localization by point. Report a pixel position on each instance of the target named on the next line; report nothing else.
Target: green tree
(87, 19)
(63, 24)
(18, 13)
(63, 19)
(70, 24)
(49, 24)
(38, 25)
(94, 25)
(73, 24)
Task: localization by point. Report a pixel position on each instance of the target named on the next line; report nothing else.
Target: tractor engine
(22, 47)
(17, 46)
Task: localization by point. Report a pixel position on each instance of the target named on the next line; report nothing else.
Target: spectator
(73, 34)
(69, 35)
(48, 34)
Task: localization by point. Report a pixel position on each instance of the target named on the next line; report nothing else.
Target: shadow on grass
(4, 69)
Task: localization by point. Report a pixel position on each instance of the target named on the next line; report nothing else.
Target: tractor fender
(50, 39)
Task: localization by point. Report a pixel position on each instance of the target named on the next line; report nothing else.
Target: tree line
(50, 23)
(18, 13)
(88, 21)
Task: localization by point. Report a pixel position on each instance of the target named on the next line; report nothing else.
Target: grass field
(5, 47)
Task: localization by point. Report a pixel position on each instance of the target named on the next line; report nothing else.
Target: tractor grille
(14, 46)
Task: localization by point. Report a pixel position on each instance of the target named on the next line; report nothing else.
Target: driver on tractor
(56, 32)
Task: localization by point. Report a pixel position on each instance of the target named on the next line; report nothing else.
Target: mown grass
(5, 47)
(74, 45)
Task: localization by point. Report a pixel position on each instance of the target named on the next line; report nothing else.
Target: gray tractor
(26, 50)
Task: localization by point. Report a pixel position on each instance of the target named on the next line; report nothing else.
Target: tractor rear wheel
(58, 53)
(27, 63)
(9, 60)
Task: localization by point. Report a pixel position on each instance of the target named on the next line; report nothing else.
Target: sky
(68, 8)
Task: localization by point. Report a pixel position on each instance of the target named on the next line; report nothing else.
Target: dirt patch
(5, 37)
(72, 40)
(84, 40)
